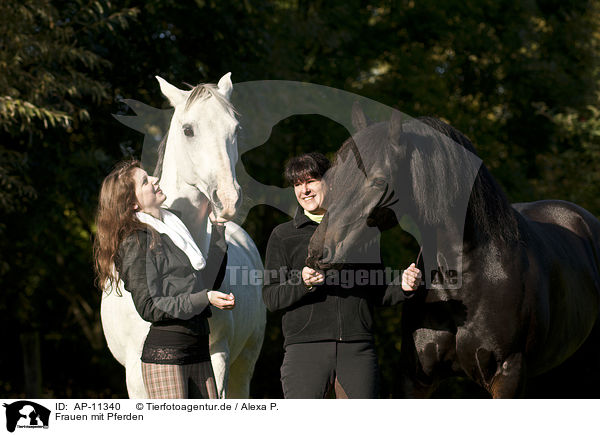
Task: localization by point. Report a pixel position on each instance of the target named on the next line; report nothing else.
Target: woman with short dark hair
(327, 332)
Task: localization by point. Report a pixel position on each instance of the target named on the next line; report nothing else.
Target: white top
(172, 226)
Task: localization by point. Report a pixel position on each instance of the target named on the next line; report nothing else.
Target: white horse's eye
(188, 131)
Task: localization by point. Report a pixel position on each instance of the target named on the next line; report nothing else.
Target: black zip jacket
(166, 290)
(328, 312)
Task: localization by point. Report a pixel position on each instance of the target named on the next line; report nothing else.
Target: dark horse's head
(360, 199)
(423, 170)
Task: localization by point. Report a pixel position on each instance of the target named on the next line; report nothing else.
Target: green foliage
(569, 170)
(48, 84)
(47, 76)
(46, 69)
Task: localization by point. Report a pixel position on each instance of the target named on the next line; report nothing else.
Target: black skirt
(174, 347)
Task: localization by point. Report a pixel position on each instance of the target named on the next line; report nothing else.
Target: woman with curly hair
(150, 249)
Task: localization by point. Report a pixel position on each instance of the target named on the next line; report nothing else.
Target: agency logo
(392, 170)
(26, 415)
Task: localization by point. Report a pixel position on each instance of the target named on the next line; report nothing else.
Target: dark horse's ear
(395, 127)
(359, 119)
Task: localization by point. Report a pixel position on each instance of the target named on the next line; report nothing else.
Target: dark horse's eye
(188, 130)
(378, 182)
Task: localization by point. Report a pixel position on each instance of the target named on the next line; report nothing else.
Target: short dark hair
(305, 167)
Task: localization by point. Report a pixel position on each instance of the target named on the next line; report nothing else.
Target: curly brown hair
(115, 220)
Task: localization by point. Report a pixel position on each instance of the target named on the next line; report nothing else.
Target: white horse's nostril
(227, 207)
(215, 199)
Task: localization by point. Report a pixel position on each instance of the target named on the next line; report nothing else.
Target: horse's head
(363, 197)
(203, 140)
(420, 169)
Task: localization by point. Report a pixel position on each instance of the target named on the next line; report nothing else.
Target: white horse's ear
(175, 95)
(225, 86)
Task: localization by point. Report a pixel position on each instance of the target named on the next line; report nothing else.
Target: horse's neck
(440, 238)
(187, 200)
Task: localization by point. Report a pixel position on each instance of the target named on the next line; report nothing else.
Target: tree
(48, 84)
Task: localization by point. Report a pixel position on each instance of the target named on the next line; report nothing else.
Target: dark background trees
(519, 78)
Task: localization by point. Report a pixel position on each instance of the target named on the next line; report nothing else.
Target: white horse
(197, 169)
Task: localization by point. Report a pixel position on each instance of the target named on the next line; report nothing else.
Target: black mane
(489, 210)
(435, 167)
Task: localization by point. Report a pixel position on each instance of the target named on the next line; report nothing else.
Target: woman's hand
(411, 278)
(221, 300)
(312, 277)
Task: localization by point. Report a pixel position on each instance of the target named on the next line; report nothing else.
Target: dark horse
(511, 291)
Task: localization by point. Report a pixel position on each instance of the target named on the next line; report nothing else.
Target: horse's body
(528, 292)
(197, 163)
(563, 242)
(523, 308)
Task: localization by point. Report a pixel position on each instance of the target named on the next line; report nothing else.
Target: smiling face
(148, 193)
(310, 194)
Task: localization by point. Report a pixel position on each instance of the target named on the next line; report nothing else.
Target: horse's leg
(125, 333)
(414, 382)
(241, 370)
(509, 380)
(414, 388)
(133, 377)
(219, 357)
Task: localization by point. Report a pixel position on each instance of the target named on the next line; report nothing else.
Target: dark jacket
(166, 290)
(329, 312)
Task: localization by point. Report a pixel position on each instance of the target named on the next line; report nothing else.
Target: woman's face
(310, 195)
(148, 193)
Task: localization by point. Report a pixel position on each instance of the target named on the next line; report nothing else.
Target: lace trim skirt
(185, 353)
